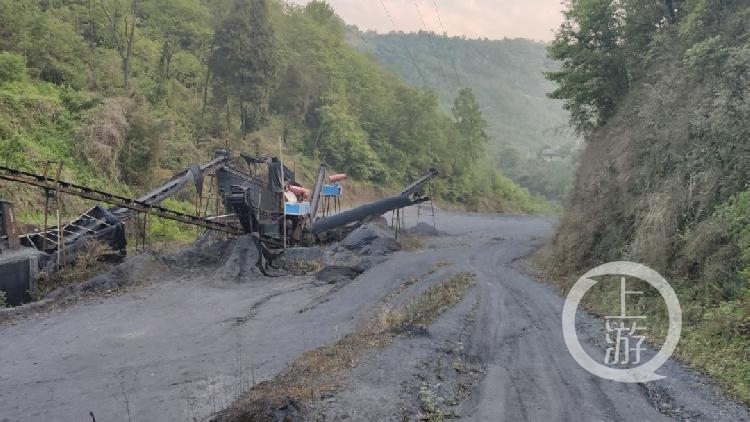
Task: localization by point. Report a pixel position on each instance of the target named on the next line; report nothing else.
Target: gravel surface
(186, 346)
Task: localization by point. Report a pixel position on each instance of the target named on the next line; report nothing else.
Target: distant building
(551, 154)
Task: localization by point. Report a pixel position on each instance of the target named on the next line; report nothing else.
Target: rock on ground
(333, 274)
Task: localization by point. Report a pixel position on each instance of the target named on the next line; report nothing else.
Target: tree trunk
(92, 46)
(124, 50)
(670, 10)
(125, 71)
(243, 118)
(205, 92)
(208, 79)
(130, 40)
(229, 116)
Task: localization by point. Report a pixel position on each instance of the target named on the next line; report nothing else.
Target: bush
(12, 67)
(3, 304)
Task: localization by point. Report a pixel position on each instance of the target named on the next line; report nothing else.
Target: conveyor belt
(171, 187)
(137, 205)
(420, 183)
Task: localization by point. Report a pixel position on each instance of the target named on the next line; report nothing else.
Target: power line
(445, 42)
(432, 43)
(403, 43)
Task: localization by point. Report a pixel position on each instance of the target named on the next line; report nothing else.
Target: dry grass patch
(90, 261)
(322, 370)
(411, 243)
(428, 306)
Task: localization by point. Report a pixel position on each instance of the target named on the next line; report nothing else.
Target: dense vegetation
(661, 96)
(507, 77)
(125, 92)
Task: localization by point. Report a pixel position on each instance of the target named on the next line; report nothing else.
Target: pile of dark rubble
(240, 260)
(423, 230)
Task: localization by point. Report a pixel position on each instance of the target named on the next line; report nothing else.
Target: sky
(493, 19)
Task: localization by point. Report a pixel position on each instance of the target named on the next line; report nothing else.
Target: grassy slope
(39, 122)
(42, 122)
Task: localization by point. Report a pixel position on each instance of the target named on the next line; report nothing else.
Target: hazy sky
(493, 19)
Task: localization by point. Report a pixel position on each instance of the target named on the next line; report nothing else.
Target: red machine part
(337, 177)
(299, 191)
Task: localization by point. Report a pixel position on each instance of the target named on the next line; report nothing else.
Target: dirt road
(183, 348)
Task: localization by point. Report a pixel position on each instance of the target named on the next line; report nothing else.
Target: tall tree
(471, 126)
(602, 45)
(179, 25)
(121, 16)
(593, 74)
(244, 61)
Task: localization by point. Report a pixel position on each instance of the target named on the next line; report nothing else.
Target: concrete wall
(18, 272)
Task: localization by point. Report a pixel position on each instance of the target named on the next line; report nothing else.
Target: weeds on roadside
(411, 243)
(89, 262)
(428, 306)
(320, 370)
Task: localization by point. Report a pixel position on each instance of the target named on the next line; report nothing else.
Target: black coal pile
(371, 239)
(207, 251)
(242, 262)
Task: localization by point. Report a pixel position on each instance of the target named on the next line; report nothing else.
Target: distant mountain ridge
(506, 75)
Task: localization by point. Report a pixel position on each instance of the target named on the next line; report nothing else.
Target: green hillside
(126, 92)
(508, 79)
(664, 176)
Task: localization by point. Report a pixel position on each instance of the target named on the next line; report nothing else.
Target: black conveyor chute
(171, 187)
(97, 223)
(368, 210)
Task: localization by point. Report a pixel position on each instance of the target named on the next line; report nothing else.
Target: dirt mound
(424, 230)
(208, 250)
(371, 239)
(137, 269)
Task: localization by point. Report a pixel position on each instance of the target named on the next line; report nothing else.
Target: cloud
(494, 19)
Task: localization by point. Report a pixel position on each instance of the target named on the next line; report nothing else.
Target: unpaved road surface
(185, 347)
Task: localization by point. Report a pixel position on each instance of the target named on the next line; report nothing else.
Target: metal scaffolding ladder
(431, 205)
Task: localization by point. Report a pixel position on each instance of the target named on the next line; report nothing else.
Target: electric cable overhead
(432, 43)
(403, 43)
(445, 42)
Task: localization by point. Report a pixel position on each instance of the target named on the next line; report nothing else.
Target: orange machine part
(337, 177)
(299, 191)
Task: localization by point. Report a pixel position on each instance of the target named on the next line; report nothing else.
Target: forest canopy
(507, 77)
